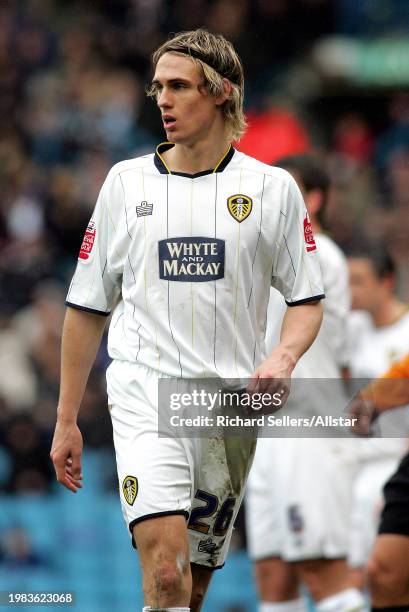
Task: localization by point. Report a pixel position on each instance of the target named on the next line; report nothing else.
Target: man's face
(187, 108)
(367, 288)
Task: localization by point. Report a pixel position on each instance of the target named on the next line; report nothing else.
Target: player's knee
(385, 579)
(169, 571)
(167, 579)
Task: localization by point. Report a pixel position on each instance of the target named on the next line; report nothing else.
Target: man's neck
(198, 157)
(388, 312)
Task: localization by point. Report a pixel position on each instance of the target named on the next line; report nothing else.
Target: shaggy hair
(216, 59)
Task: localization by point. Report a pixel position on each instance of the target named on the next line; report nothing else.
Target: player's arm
(385, 393)
(82, 333)
(297, 275)
(298, 331)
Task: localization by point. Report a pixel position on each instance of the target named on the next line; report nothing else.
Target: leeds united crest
(130, 489)
(239, 206)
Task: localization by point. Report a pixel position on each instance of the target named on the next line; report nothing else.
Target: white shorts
(299, 497)
(201, 479)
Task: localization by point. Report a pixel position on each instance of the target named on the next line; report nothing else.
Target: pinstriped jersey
(186, 262)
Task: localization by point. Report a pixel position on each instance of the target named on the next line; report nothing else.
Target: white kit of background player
(298, 514)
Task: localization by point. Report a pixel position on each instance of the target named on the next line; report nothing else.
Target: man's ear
(313, 201)
(225, 95)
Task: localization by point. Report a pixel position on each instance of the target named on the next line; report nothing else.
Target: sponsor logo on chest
(191, 259)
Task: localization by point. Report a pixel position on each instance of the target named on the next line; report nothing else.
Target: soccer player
(378, 330)
(182, 247)
(388, 569)
(298, 514)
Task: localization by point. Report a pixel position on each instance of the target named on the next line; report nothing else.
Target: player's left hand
(273, 377)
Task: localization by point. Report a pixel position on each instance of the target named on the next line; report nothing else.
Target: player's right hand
(273, 378)
(364, 414)
(66, 454)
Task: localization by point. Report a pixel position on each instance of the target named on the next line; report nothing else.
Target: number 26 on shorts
(223, 518)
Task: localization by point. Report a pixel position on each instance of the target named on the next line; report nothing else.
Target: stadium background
(331, 76)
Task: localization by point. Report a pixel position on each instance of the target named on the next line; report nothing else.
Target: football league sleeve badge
(308, 235)
(88, 241)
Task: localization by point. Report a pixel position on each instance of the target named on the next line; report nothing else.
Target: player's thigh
(388, 571)
(221, 467)
(390, 558)
(154, 473)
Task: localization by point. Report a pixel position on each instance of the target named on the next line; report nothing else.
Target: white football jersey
(191, 259)
(328, 353)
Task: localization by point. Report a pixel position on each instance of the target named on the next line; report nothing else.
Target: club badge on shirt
(239, 206)
(88, 241)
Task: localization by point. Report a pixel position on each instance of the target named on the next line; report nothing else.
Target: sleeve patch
(308, 235)
(88, 241)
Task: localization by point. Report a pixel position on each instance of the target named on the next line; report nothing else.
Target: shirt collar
(164, 169)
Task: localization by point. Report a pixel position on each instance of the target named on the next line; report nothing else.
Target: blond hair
(216, 59)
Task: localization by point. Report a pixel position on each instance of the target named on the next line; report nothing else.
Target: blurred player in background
(188, 241)
(300, 489)
(378, 330)
(388, 567)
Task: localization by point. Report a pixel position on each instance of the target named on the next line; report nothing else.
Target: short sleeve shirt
(191, 259)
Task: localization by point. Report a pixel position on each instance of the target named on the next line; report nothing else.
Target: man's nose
(164, 98)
